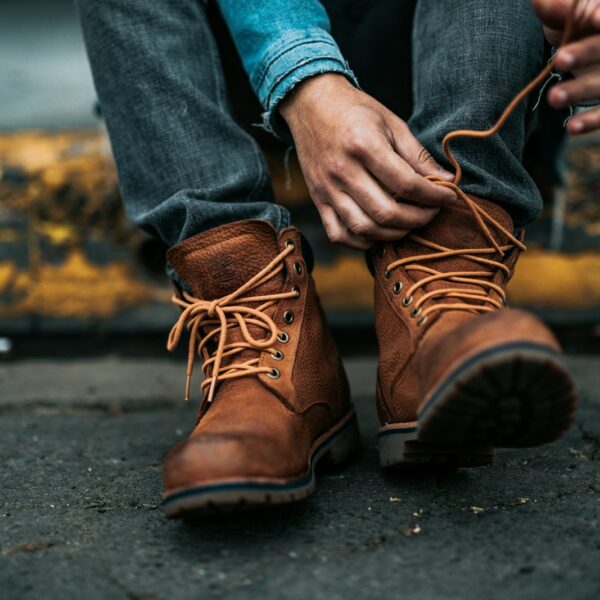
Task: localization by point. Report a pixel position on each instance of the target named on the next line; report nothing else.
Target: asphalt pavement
(82, 443)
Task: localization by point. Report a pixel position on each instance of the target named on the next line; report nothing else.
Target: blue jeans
(184, 163)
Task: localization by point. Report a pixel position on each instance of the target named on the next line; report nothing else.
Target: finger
(579, 54)
(337, 232)
(400, 178)
(585, 122)
(360, 224)
(404, 182)
(413, 152)
(582, 89)
(588, 16)
(554, 14)
(384, 209)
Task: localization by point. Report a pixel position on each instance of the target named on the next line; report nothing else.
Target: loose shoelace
(478, 279)
(211, 320)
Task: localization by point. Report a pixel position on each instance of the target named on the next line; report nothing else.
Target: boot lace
(211, 321)
(479, 298)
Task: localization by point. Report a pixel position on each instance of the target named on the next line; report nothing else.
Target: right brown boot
(276, 398)
(460, 374)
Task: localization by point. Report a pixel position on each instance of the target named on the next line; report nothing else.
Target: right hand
(364, 169)
(581, 56)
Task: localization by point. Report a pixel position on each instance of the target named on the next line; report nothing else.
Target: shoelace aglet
(188, 384)
(211, 390)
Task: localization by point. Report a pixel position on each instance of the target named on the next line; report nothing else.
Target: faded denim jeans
(184, 163)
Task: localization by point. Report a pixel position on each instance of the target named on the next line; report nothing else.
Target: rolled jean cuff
(304, 59)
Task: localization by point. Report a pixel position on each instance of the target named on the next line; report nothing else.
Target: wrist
(310, 91)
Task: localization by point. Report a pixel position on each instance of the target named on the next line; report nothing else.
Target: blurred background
(75, 277)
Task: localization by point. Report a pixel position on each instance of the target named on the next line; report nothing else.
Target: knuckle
(319, 195)
(407, 187)
(334, 236)
(359, 228)
(385, 217)
(422, 218)
(334, 167)
(424, 156)
(357, 143)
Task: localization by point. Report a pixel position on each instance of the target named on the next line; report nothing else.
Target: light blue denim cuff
(311, 54)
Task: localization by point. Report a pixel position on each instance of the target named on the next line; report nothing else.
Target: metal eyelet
(387, 274)
(421, 321)
(407, 301)
(277, 355)
(504, 302)
(381, 252)
(274, 374)
(290, 243)
(296, 289)
(283, 337)
(288, 317)
(415, 312)
(397, 287)
(298, 268)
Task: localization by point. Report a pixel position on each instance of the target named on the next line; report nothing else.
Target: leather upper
(415, 354)
(257, 425)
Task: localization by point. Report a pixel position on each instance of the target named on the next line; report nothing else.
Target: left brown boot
(458, 373)
(276, 398)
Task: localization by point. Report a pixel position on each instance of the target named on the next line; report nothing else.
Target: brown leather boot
(459, 374)
(276, 397)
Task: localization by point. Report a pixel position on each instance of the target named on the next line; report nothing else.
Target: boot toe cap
(216, 458)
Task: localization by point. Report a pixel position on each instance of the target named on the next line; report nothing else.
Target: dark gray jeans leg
(470, 57)
(184, 164)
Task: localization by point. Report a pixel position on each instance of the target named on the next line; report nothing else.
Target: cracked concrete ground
(82, 444)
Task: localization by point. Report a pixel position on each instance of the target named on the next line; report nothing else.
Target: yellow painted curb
(552, 280)
(74, 289)
(543, 280)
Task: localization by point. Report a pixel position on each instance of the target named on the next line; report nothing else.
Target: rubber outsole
(331, 449)
(515, 395)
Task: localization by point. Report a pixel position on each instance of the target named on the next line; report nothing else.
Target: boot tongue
(455, 228)
(218, 262)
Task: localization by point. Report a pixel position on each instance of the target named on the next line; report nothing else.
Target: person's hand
(581, 57)
(364, 169)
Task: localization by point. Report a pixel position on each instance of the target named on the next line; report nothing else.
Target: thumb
(553, 13)
(425, 164)
(415, 154)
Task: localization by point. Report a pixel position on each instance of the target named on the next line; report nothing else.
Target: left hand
(581, 56)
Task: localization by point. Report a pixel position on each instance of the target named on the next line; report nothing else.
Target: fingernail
(560, 95)
(566, 59)
(576, 126)
(445, 174)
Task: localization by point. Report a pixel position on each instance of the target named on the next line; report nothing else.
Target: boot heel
(342, 445)
(397, 451)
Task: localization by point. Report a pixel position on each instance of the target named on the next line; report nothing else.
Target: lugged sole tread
(515, 397)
